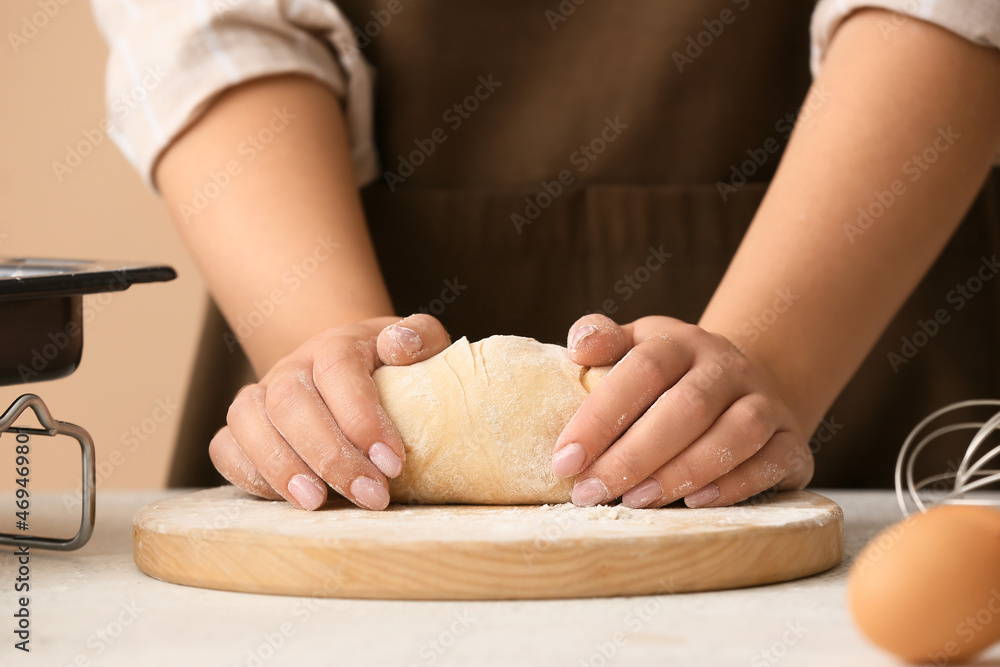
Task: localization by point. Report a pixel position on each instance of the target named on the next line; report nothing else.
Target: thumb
(596, 340)
(411, 339)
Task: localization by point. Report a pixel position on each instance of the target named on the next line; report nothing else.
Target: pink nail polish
(569, 460)
(580, 334)
(590, 492)
(385, 459)
(702, 496)
(306, 491)
(408, 339)
(643, 494)
(370, 493)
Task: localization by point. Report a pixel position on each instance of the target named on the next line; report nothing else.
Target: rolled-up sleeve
(976, 20)
(170, 59)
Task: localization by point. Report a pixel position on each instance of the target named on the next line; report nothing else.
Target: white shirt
(171, 58)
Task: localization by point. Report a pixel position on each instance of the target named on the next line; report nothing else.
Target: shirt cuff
(976, 20)
(170, 60)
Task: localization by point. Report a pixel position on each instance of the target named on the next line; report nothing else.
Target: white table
(94, 607)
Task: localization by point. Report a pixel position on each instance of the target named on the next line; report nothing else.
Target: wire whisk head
(972, 473)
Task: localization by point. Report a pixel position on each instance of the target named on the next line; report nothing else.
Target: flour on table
(598, 513)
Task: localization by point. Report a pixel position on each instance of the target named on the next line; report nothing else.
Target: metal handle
(52, 428)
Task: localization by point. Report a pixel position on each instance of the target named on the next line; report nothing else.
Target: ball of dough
(479, 421)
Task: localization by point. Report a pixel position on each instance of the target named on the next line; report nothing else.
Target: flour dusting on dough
(479, 420)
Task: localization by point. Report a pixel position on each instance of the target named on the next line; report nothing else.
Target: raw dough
(479, 421)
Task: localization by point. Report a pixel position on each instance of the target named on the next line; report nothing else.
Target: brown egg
(928, 587)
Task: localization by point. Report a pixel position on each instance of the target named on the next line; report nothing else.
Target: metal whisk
(971, 474)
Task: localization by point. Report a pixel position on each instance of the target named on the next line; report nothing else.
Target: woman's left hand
(683, 414)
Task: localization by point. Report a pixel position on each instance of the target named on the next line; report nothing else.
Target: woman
(542, 163)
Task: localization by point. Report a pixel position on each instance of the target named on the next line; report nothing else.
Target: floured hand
(683, 414)
(315, 418)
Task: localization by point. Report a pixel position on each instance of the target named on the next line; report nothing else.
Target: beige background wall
(139, 347)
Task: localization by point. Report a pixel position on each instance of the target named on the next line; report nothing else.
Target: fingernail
(569, 460)
(306, 491)
(385, 459)
(408, 339)
(643, 494)
(370, 493)
(702, 496)
(590, 492)
(580, 334)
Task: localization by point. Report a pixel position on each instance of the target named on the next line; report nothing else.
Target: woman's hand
(315, 418)
(683, 414)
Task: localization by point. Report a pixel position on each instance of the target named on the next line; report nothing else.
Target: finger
(301, 416)
(233, 464)
(269, 453)
(733, 438)
(411, 339)
(770, 468)
(626, 392)
(671, 430)
(342, 376)
(596, 340)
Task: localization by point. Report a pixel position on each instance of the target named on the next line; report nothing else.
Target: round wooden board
(226, 539)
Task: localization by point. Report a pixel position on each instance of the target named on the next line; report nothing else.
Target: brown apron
(544, 160)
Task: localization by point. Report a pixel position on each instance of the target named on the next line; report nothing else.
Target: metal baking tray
(41, 310)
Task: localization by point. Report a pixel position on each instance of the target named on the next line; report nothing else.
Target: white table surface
(94, 607)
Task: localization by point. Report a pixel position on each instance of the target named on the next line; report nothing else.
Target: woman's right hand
(315, 418)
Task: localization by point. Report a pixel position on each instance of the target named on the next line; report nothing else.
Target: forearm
(889, 100)
(262, 191)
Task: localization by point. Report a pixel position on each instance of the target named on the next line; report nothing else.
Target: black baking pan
(41, 310)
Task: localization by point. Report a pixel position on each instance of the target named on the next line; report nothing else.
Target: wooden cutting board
(226, 539)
